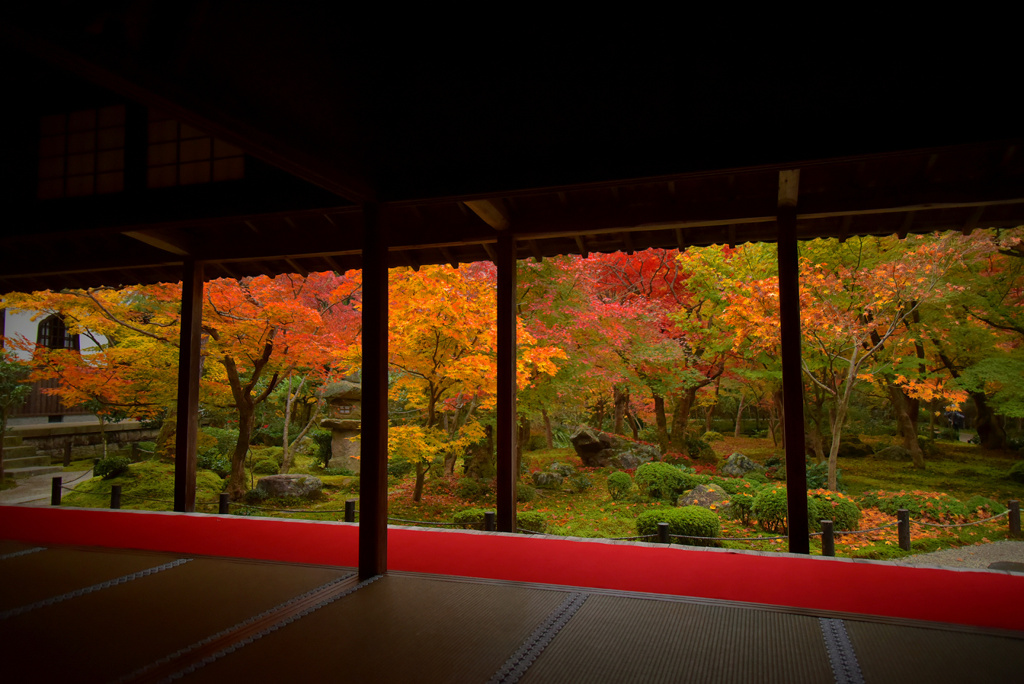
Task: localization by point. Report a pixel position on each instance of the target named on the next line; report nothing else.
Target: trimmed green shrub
(771, 510)
(525, 493)
(837, 507)
(111, 466)
(255, 496)
(741, 503)
(226, 439)
(620, 484)
(983, 507)
(532, 521)
(579, 483)
(214, 462)
(1016, 472)
(470, 519)
(698, 449)
(468, 488)
(756, 476)
(936, 506)
(817, 476)
(660, 480)
(690, 521)
(265, 466)
(712, 436)
(322, 440)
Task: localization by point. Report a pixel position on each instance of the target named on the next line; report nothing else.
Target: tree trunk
(777, 423)
(661, 422)
(165, 438)
(739, 418)
(990, 426)
(549, 435)
(421, 475)
(906, 424)
(680, 417)
(597, 416)
(236, 481)
(621, 400)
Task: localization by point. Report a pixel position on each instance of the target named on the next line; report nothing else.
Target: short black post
(490, 521)
(67, 453)
(903, 525)
(1014, 507)
(663, 533)
(115, 496)
(350, 510)
(828, 539)
(55, 492)
(222, 504)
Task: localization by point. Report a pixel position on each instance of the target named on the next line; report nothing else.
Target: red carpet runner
(987, 599)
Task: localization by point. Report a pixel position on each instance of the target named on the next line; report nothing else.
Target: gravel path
(979, 556)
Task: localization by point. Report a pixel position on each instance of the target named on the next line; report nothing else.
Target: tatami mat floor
(95, 615)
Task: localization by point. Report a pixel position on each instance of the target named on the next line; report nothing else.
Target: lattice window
(182, 155)
(82, 153)
(344, 410)
(54, 334)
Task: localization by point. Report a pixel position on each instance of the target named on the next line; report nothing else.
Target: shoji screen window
(82, 153)
(182, 155)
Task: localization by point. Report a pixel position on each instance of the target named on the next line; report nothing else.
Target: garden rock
(601, 450)
(301, 486)
(739, 465)
(893, 453)
(547, 480)
(703, 496)
(850, 446)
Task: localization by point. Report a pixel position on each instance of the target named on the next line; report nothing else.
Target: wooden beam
(844, 228)
(680, 240)
(792, 380)
(535, 251)
(492, 211)
(908, 221)
(447, 254)
(507, 474)
(972, 221)
(491, 253)
(373, 482)
(732, 236)
(581, 243)
(189, 367)
(627, 241)
(296, 267)
(163, 240)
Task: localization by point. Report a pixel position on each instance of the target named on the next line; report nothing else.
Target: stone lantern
(344, 402)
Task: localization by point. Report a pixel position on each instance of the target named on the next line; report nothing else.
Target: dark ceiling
(580, 148)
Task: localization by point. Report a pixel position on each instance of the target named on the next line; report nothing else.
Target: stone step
(30, 461)
(11, 441)
(23, 451)
(23, 473)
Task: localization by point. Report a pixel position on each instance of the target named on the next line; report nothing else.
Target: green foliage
(579, 483)
(148, 485)
(741, 503)
(620, 485)
(532, 521)
(214, 462)
(111, 466)
(265, 466)
(273, 453)
(13, 387)
(322, 441)
(561, 437)
(525, 493)
(756, 476)
(712, 436)
(700, 450)
(837, 507)
(817, 476)
(879, 552)
(771, 510)
(468, 488)
(690, 521)
(1016, 472)
(660, 480)
(470, 519)
(226, 438)
(399, 467)
(255, 496)
(988, 506)
(936, 506)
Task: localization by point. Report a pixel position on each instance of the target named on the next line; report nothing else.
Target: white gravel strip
(979, 556)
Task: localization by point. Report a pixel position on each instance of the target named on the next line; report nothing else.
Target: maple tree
(13, 391)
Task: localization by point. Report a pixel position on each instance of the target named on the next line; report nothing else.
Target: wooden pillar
(507, 424)
(373, 484)
(792, 380)
(188, 387)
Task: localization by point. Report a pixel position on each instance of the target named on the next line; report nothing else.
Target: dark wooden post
(1014, 506)
(350, 510)
(115, 496)
(828, 539)
(188, 387)
(55, 485)
(792, 382)
(490, 521)
(903, 528)
(222, 504)
(663, 537)
(506, 369)
(373, 484)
